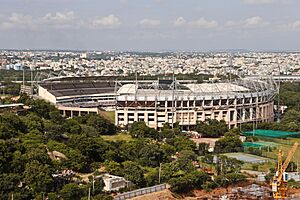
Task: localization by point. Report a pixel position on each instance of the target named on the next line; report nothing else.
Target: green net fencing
(259, 144)
(271, 133)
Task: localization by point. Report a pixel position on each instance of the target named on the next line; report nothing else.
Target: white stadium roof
(216, 87)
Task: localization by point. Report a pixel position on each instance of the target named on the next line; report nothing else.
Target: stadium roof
(271, 133)
(216, 87)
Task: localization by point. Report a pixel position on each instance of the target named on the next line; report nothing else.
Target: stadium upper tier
(79, 88)
(79, 93)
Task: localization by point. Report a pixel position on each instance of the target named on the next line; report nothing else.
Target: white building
(114, 183)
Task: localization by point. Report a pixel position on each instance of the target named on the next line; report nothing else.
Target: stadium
(166, 101)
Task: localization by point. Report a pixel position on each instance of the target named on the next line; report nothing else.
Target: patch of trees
(212, 128)
(229, 143)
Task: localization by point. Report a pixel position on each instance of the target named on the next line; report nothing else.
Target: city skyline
(154, 25)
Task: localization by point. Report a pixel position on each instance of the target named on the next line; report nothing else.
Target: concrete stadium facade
(237, 102)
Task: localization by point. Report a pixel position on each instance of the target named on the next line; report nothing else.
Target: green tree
(140, 130)
(113, 168)
(102, 125)
(134, 173)
(38, 176)
(72, 191)
(185, 159)
(212, 128)
(151, 155)
(228, 144)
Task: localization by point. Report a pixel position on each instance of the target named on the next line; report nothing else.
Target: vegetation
(212, 128)
(87, 143)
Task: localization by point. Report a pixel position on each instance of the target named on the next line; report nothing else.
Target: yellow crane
(279, 183)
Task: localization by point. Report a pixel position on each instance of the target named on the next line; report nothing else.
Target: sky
(150, 25)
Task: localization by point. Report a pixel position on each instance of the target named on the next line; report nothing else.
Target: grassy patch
(110, 115)
(285, 145)
(117, 137)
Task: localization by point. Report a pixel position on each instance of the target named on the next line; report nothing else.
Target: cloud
(203, 23)
(49, 20)
(262, 2)
(251, 22)
(109, 21)
(180, 21)
(149, 22)
(58, 17)
(294, 25)
(18, 21)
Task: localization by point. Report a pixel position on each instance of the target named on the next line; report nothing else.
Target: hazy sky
(150, 25)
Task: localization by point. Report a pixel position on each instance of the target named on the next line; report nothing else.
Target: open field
(120, 136)
(285, 145)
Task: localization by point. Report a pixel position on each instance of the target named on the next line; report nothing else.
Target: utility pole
(93, 184)
(278, 95)
(159, 173)
(89, 196)
(173, 102)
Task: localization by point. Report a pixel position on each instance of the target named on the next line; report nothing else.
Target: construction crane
(279, 183)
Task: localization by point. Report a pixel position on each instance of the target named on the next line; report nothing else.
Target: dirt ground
(204, 195)
(197, 195)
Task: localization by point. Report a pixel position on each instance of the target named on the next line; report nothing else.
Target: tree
(33, 122)
(226, 165)
(93, 148)
(228, 144)
(98, 185)
(212, 128)
(152, 177)
(11, 126)
(38, 176)
(53, 130)
(151, 155)
(182, 143)
(202, 148)
(72, 191)
(188, 182)
(185, 159)
(133, 172)
(42, 108)
(141, 130)
(181, 184)
(170, 170)
(113, 168)
(102, 125)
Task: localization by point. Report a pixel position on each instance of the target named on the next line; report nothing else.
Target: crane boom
(287, 161)
(279, 183)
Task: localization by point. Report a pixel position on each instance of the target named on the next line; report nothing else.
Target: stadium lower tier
(188, 116)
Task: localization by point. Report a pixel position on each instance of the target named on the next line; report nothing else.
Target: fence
(140, 192)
